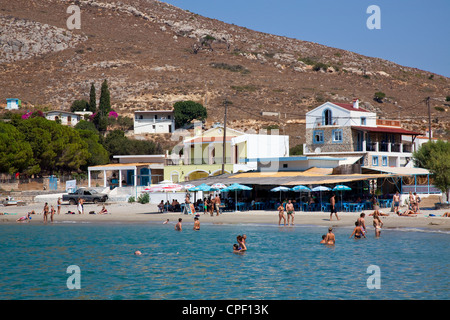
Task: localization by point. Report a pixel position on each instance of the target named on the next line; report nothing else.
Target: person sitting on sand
(161, 206)
(103, 211)
(358, 231)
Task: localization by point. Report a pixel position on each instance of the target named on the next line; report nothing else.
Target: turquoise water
(282, 262)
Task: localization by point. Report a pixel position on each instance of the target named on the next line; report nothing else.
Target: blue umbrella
(203, 187)
(341, 187)
(235, 187)
(301, 188)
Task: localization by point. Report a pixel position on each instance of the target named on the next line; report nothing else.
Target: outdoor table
(325, 207)
(241, 206)
(259, 205)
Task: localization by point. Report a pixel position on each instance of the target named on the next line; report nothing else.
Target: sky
(412, 33)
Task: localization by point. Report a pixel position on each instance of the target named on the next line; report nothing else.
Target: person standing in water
(281, 214)
(178, 226)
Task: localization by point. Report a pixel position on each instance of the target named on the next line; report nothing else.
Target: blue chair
(346, 206)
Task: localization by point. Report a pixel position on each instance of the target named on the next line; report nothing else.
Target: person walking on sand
(330, 238)
(290, 212)
(333, 207)
(281, 214)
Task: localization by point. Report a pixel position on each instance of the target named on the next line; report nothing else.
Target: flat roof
(387, 130)
(399, 171)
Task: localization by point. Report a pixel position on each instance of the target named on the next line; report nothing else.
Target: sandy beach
(136, 213)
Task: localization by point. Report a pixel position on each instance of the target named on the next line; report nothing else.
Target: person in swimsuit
(45, 211)
(178, 226)
(330, 238)
(58, 203)
(358, 232)
(241, 243)
(196, 224)
(361, 222)
(396, 200)
(377, 226)
(281, 214)
(290, 212)
(333, 207)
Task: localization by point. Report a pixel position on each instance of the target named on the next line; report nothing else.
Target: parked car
(88, 195)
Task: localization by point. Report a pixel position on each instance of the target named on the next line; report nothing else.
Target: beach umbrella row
(235, 187)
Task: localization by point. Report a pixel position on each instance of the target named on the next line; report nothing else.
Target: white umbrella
(320, 189)
(281, 189)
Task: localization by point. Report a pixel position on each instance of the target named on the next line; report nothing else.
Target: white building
(338, 129)
(13, 104)
(154, 121)
(67, 118)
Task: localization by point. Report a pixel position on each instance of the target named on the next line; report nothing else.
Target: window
(337, 135)
(363, 121)
(375, 160)
(327, 118)
(384, 161)
(318, 136)
(285, 165)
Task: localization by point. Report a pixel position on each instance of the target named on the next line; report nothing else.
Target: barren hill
(154, 54)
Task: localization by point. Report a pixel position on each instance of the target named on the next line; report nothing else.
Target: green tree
(379, 96)
(104, 106)
(186, 111)
(92, 99)
(98, 154)
(435, 156)
(56, 148)
(297, 150)
(16, 154)
(79, 105)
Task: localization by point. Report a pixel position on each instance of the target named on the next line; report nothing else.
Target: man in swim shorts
(290, 212)
(396, 200)
(333, 207)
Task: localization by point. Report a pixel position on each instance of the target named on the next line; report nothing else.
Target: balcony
(385, 147)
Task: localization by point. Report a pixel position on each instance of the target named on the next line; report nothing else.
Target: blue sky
(414, 33)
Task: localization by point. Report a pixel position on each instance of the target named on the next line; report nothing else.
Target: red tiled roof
(387, 130)
(349, 106)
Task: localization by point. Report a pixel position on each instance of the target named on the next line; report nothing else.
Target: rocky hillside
(154, 54)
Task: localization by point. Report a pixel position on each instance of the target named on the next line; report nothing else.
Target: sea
(96, 261)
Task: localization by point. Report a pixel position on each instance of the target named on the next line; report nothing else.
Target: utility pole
(224, 136)
(429, 118)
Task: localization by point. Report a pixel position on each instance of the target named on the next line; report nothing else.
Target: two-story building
(339, 129)
(154, 121)
(202, 155)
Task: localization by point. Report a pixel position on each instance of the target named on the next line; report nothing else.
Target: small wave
(411, 229)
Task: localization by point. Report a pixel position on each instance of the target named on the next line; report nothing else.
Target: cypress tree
(104, 105)
(92, 99)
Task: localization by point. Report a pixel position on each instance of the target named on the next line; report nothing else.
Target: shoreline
(137, 213)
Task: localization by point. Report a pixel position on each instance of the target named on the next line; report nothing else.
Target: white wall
(340, 116)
